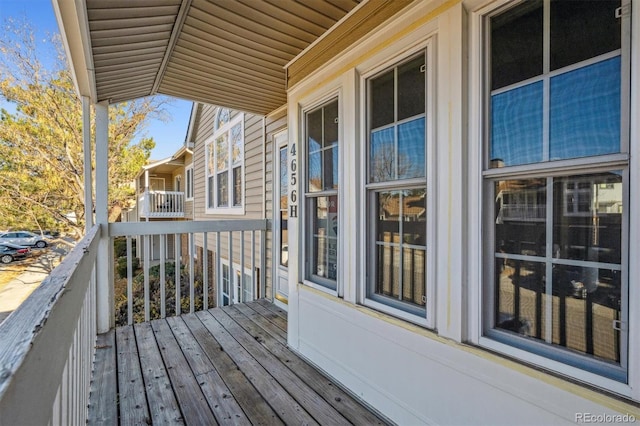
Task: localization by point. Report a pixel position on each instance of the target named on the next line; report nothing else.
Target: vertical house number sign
(293, 179)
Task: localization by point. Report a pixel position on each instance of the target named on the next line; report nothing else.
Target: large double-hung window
(396, 187)
(556, 182)
(225, 164)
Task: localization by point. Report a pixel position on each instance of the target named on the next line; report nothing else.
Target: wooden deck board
(163, 406)
(223, 366)
(103, 407)
(193, 404)
(131, 394)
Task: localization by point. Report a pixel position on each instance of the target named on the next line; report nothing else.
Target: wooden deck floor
(223, 366)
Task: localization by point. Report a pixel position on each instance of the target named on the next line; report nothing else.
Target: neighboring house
(164, 191)
(450, 188)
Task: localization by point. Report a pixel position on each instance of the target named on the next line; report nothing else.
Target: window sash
(550, 264)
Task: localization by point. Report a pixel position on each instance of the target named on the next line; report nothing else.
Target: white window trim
(210, 144)
(428, 320)
(188, 182)
(477, 216)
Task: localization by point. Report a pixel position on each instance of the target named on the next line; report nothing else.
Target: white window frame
(188, 183)
(428, 318)
(211, 206)
(314, 281)
(234, 297)
(480, 224)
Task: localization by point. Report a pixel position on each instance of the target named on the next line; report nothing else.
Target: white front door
(280, 222)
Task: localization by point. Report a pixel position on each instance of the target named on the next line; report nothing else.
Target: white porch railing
(162, 204)
(47, 345)
(226, 248)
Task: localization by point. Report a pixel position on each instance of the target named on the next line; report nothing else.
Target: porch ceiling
(222, 52)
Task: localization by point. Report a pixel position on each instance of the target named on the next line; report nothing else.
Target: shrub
(121, 266)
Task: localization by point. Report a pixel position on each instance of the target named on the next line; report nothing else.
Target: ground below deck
(222, 366)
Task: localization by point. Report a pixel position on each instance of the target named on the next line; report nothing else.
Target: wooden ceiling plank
(214, 57)
(230, 82)
(240, 36)
(162, 31)
(231, 69)
(108, 13)
(228, 87)
(236, 15)
(100, 50)
(230, 48)
(282, 14)
(122, 23)
(127, 53)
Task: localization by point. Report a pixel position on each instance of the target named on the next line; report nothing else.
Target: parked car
(10, 252)
(23, 238)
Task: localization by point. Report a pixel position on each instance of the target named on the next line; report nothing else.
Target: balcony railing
(162, 204)
(48, 343)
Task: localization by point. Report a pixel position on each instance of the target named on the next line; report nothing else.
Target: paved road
(18, 289)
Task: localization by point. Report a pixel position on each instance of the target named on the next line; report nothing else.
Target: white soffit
(222, 52)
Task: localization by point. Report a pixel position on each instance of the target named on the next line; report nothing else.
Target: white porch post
(147, 195)
(105, 254)
(88, 178)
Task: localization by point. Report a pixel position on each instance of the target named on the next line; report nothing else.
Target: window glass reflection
(411, 149)
(516, 126)
(400, 245)
(586, 302)
(520, 216)
(587, 222)
(520, 301)
(585, 111)
(324, 256)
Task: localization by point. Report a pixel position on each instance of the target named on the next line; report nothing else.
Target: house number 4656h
(293, 195)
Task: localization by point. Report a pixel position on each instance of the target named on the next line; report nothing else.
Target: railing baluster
(241, 291)
(253, 263)
(147, 258)
(218, 272)
(129, 283)
(205, 272)
(163, 297)
(177, 264)
(232, 286)
(191, 273)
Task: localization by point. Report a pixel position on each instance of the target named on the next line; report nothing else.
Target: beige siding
(254, 197)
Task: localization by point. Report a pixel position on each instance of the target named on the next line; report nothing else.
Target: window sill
(398, 313)
(532, 360)
(320, 288)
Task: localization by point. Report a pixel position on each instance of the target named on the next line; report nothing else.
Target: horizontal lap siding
(254, 193)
